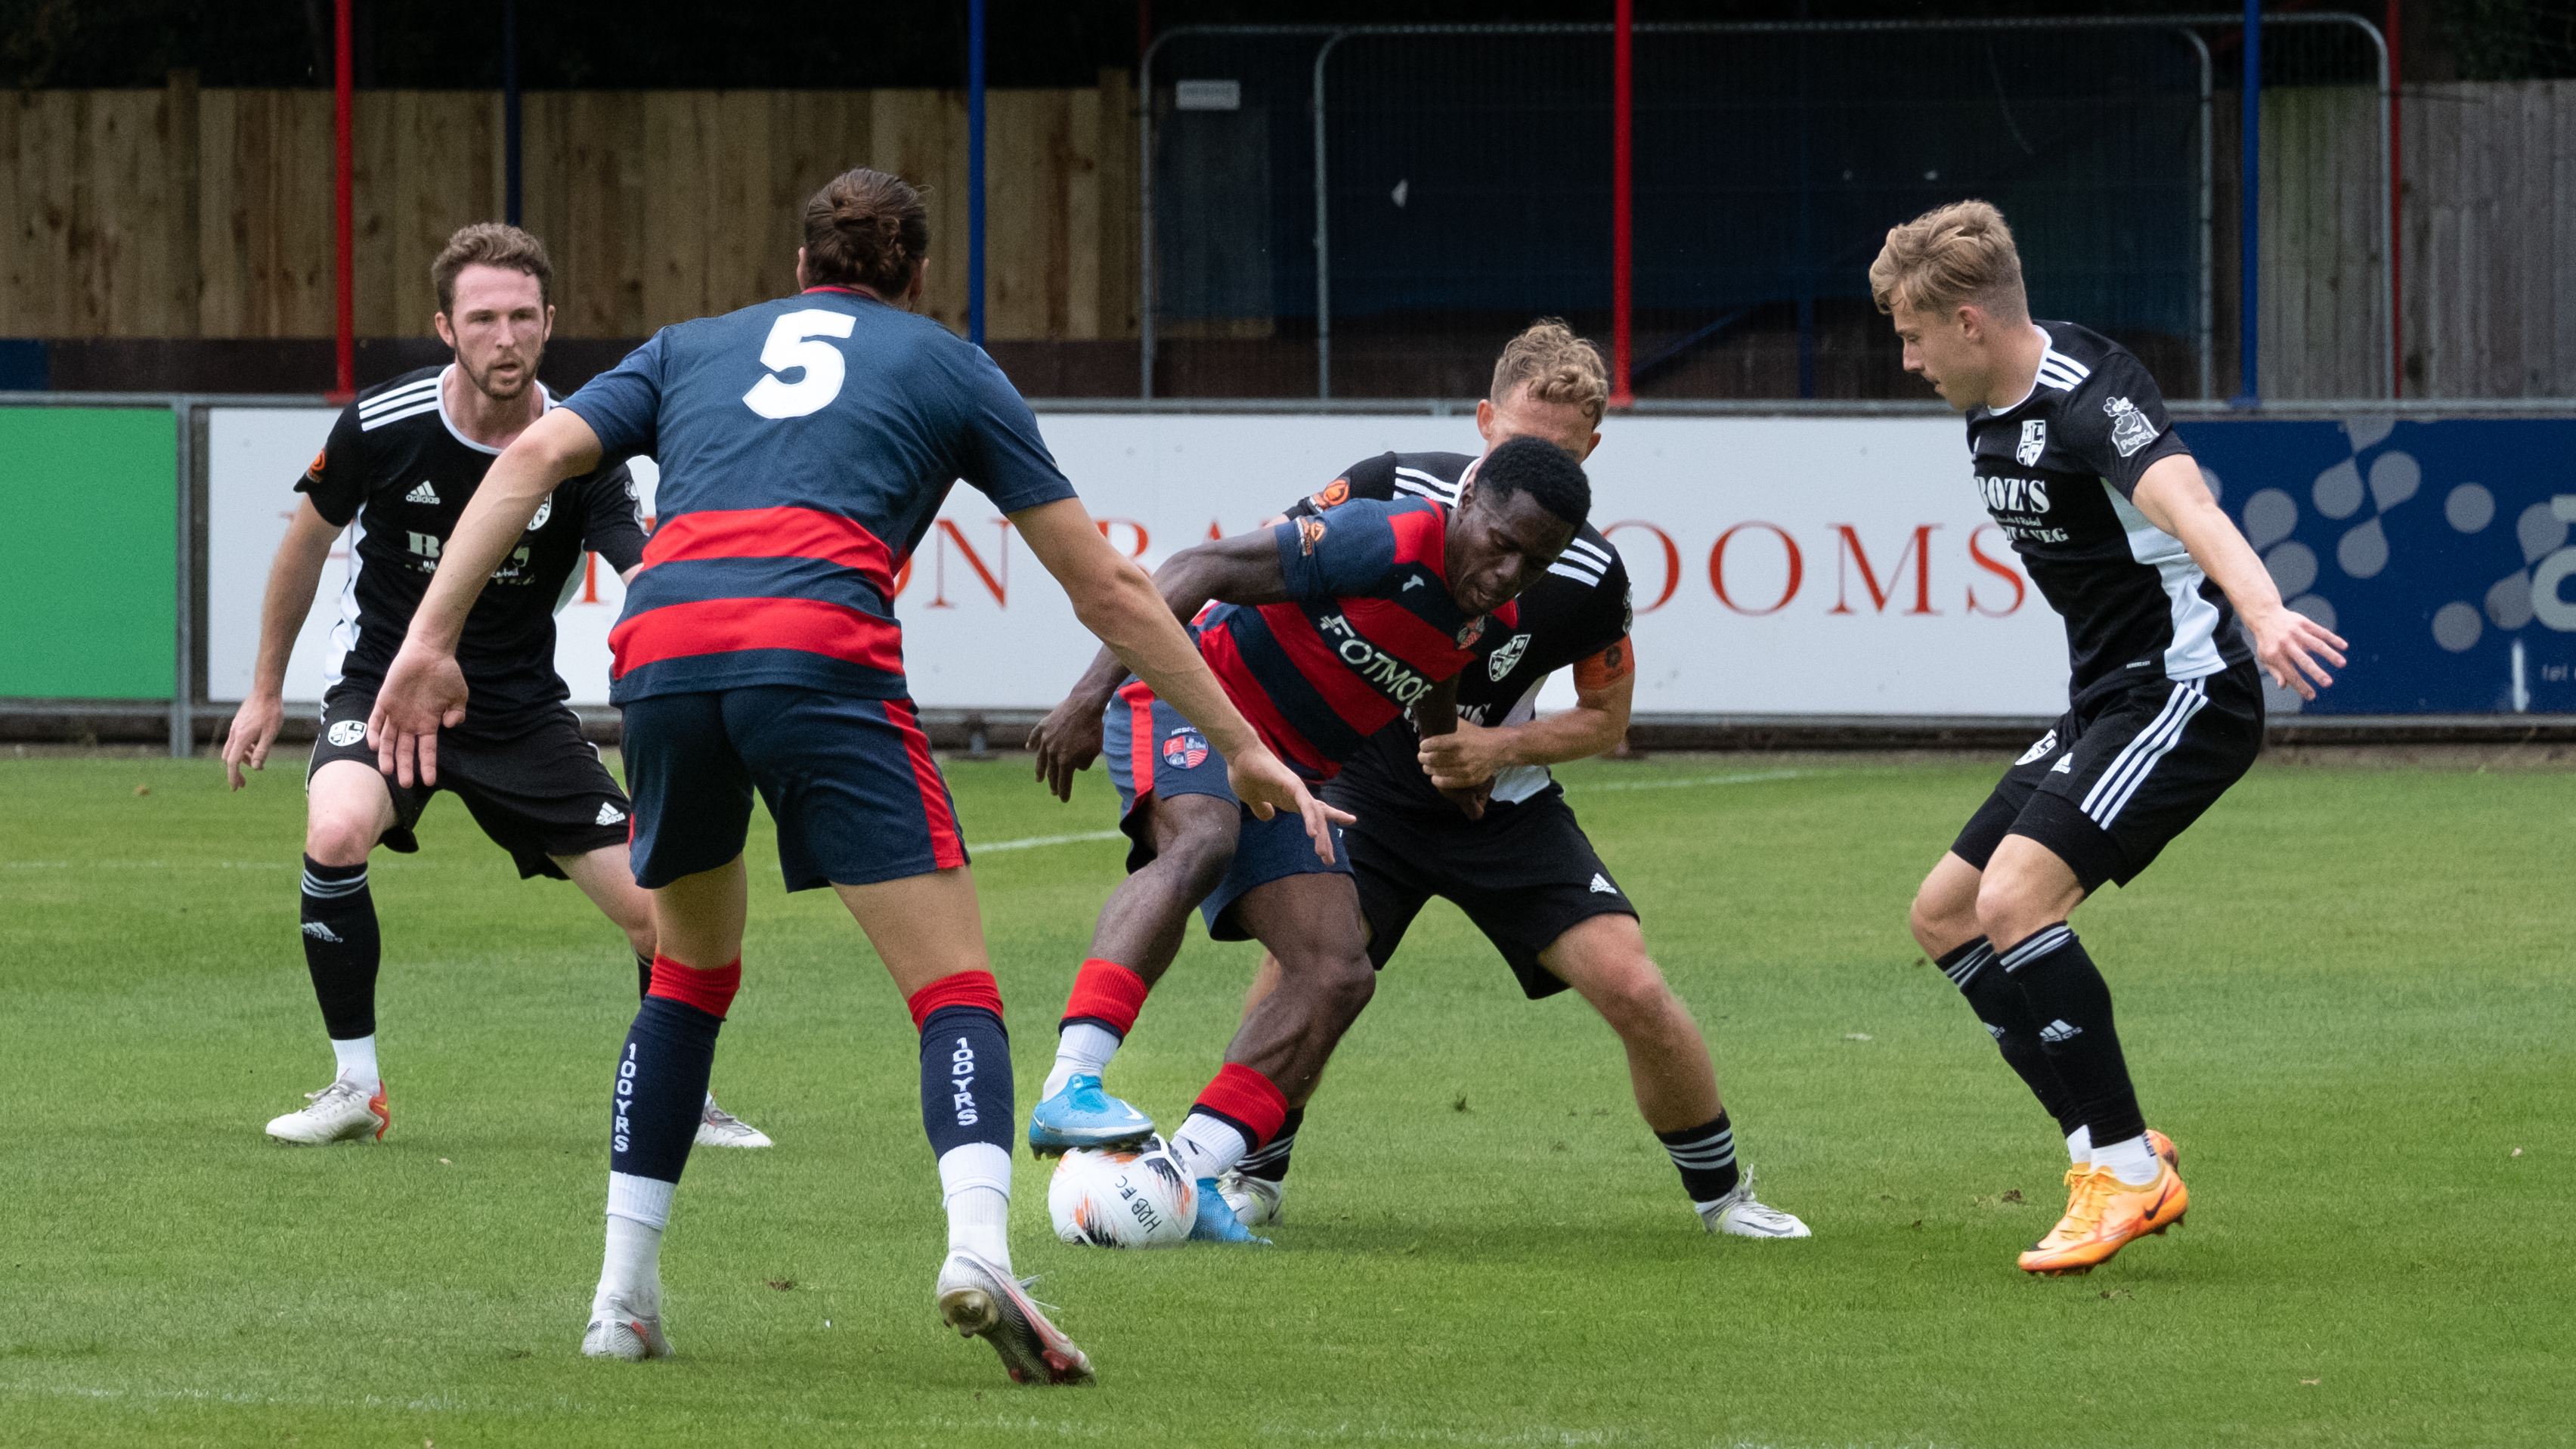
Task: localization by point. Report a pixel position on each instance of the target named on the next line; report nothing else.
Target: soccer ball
(1128, 1197)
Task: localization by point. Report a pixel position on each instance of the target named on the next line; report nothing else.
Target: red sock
(965, 988)
(1247, 1101)
(708, 991)
(1107, 993)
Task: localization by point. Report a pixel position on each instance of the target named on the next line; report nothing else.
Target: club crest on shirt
(1508, 658)
(1184, 749)
(1335, 493)
(1471, 631)
(2130, 429)
(2034, 441)
(1310, 532)
(545, 511)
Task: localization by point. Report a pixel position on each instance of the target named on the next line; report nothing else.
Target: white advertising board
(1800, 565)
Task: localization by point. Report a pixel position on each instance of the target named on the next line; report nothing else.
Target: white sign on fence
(1781, 565)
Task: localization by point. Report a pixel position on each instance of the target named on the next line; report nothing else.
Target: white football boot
(981, 1301)
(618, 1331)
(1255, 1200)
(341, 1112)
(1740, 1215)
(720, 1128)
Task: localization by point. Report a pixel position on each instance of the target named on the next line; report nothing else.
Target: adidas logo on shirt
(609, 814)
(1601, 885)
(2058, 1030)
(320, 931)
(422, 494)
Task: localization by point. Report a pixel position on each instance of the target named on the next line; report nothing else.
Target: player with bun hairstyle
(2076, 460)
(805, 446)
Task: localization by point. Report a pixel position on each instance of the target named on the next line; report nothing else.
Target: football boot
(2163, 1147)
(981, 1301)
(618, 1331)
(1739, 1214)
(1255, 1200)
(1216, 1221)
(720, 1128)
(1082, 1115)
(341, 1112)
(2106, 1216)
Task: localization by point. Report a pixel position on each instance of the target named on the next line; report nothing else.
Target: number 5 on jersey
(795, 344)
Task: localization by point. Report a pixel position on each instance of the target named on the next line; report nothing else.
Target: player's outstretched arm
(1068, 739)
(292, 579)
(425, 689)
(1117, 602)
(2288, 644)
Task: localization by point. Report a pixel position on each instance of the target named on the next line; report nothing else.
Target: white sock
(631, 1268)
(1081, 1050)
(2079, 1147)
(975, 1183)
(1207, 1147)
(2133, 1161)
(358, 1060)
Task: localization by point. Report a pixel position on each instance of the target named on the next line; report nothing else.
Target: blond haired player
(2079, 466)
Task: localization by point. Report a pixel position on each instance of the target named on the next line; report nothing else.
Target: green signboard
(88, 578)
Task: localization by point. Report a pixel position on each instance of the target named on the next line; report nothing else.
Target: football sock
(966, 1107)
(638, 1209)
(643, 975)
(341, 947)
(2072, 1002)
(1082, 1049)
(2133, 1161)
(1706, 1156)
(1097, 1016)
(1270, 1164)
(2079, 1147)
(358, 1061)
(1237, 1112)
(1999, 1002)
(662, 1075)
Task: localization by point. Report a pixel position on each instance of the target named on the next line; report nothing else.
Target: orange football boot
(2106, 1216)
(2163, 1147)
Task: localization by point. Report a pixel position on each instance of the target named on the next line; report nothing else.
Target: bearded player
(401, 464)
(2078, 464)
(1525, 873)
(1323, 630)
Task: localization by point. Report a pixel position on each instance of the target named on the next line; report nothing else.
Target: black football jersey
(397, 473)
(2057, 470)
(1577, 609)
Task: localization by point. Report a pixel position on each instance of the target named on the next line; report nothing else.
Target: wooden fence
(188, 213)
(2488, 247)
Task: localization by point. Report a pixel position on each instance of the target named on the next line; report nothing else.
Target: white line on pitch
(1034, 841)
(1742, 779)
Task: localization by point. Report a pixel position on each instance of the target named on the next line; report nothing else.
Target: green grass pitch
(2346, 994)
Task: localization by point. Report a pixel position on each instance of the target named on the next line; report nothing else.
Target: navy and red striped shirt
(805, 445)
(1369, 628)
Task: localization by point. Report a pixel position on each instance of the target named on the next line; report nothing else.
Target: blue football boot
(1216, 1221)
(1082, 1115)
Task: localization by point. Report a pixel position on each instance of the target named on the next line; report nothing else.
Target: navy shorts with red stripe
(851, 782)
(1149, 744)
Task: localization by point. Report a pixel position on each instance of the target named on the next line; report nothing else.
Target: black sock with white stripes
(2001, 1004)
(2072, 1003)
(1706, 1156)
(341, 947)
(1270, 1164)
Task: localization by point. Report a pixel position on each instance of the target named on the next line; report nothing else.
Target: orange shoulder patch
(1607, 667)
(1336, 492)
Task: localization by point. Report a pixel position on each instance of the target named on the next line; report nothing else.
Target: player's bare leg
(347, 810)
(1140, 931)
(608, 879)
(1312, 926)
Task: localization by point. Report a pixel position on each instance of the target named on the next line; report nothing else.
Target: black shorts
(540, 794)
(1525, 874)
(2123, 773)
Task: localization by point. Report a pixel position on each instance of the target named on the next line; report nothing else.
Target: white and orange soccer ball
(1124, 1197)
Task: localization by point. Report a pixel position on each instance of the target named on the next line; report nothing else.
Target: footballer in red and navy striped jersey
(1323, 630)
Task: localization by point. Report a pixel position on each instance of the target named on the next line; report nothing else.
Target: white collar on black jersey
(2047, 345)
(458, 433)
